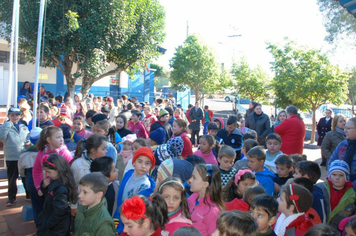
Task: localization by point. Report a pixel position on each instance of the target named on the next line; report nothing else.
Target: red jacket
(237, 204)
(292, 131)
(299, 225)
(211, 114)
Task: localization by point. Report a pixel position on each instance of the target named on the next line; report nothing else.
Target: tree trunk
(70, 85)
(86, 85)
(197, 95)
(353, 106)
(312, 137)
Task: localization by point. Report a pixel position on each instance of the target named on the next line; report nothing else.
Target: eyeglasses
(348, 128)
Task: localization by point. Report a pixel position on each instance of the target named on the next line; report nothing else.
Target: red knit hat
(64, 110)
(147, 152)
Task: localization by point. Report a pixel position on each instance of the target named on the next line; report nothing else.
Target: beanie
(130, 138)
(158, 135)
(144, 151)
(98, 117)
(177, 143)
(166, 168)
(182, 169)
(164, 152)
(105, 109)
(109, 99)
(339, 165)
(298, 195)
(163, 112)
(64, 110)
(35, 134)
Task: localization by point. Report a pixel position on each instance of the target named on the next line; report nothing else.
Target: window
(5, 57)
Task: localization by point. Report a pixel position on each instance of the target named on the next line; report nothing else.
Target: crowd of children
(132, 171)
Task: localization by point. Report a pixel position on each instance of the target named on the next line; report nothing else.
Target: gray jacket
(330, 142)
(14, 140)
(262, 126)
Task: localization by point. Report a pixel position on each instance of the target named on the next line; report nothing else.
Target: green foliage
(352, 88)
(194, 66)
(72, 17)
(250, 83)
(337, 21)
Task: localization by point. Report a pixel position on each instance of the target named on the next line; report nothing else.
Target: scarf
(126, 155)
(350, 152)
(48, 151)
(340, 131)
(283, 222)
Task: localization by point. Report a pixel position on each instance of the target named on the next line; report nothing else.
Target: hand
(73, 212)
(40, 193)
(28, 144)
(46, 182)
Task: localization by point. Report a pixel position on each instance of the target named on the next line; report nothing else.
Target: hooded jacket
(265, 178)
(14, 140)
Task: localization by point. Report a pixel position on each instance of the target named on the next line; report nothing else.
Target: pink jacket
(204, 216)
(177, 221)
(209, 158)
(37, 172)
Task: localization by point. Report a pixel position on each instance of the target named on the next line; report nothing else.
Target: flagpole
(16, 53)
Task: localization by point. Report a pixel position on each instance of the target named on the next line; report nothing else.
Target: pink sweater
(204, 216)
(37, 172)
(84, 133)
(176, 221)
(209, 158)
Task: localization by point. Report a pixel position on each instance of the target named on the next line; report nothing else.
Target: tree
(250, 83)
(89, 35)
(337, 21)
(161, 76)
(194, 66)
(352, 88)
(305, 78)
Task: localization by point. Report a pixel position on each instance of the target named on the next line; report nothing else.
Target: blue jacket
(265, 178)
(319, 203)
(234, 139)
(146, 192)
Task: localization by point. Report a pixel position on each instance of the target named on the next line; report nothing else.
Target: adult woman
(282, 115)
(259, 122)
(149, 118)
(292, 131)
(26, 90)
(346, 150)
(333, 137)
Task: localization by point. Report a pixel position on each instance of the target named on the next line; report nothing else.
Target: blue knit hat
(158, 135)
(342, 166)
(35, 135)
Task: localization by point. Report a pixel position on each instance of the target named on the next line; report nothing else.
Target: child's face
(226, 163)
(100, 151)
(53, 112)
(135, 146)
(213, 132)
(282, 204)
(41, 114)
(273, 146)
(87, 196)
(172, 197)
(230, 128)
(197, 184)
(52, 174)
(127, 146)
(142, 165)
(98, 130)
(132, 228)
(262, 219)
(349, 231)
(134, 118)
(282, 171)
(338, 180)
(56, 140)
(119, 123)
(297, 174)
(77, 125)
(113, 173)
(254, 164)
(14, 118)
(176, 129)
(243, 185)
(204, 146)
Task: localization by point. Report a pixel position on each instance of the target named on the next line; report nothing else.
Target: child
(238, 185)
(247, 145)
(273, 143)
(79, 127)
(121, 124)
(292, 206)
(236, 223)
(348, 226)
(264, 210)
(93, 218)
(136, 182)
(206, 201)
(213, 131)
(156, 138)
(323, 230)
(126, 154)
(50, 141)
(173, 192)
(16, 138)
(284, 171)
(140, 142)
(226, 161)
(58, 188)
(64, 117)
(102, 127)
(180, 129)
(338, 192)
(297, 158)
(144, 216)
(137, 127)
(206, 145)
(81, 110)
(244, 204)
(187, 231)
(208, 118)
(106, 166)
(256, 159)
(43, 118)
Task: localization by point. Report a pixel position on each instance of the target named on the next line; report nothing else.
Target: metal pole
(11, 64)
(38, 54)
(16, 52)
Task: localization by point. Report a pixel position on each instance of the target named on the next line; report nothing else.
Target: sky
(257, 22)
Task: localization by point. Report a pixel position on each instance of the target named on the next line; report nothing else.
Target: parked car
(320, 112)
(241, 105)
(229, 98)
